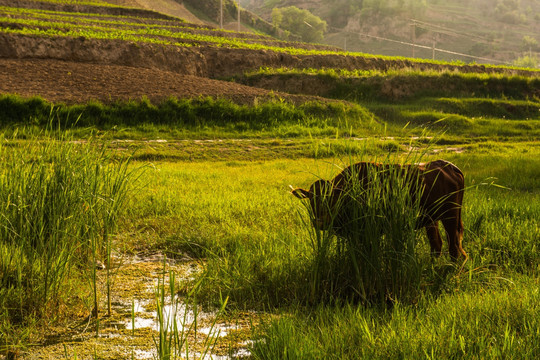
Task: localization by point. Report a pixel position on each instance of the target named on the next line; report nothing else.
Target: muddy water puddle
(131, 331)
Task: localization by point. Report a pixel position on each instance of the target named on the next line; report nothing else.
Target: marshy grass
(240, 218)
(178, 319)
(61, 201)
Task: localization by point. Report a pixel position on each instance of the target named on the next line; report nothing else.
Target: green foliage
(342, 10)
(490, 325)
(259, 252)
(392, 85)
(79, 2)
(508, 11)
(301, 22)
(529, 43)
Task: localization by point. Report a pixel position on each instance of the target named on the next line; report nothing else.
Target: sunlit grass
(489, 324)
(400, 85)
(228, 204)
(241, 218)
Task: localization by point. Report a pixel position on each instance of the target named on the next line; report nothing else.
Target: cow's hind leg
(434, 237)
(454, 235)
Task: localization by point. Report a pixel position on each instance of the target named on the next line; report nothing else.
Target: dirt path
(167, 7)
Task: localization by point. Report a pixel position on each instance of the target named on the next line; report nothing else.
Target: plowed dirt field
(75, 82)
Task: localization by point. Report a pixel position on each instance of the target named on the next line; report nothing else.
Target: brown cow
(442, 187)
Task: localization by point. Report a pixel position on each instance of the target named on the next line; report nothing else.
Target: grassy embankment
(465, 105)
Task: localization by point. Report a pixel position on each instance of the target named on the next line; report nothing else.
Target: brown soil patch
(72, 82)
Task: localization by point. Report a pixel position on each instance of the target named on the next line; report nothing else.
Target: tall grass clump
(369, 252)
(60, 203)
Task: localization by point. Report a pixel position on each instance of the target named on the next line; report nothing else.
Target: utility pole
(413, 37)
(238, 6)
(221, 14)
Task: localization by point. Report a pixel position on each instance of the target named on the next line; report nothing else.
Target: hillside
(74, 52)
(486, 30)
(79, 51)
(168, 7)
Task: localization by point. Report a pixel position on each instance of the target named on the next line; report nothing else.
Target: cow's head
(322, 199)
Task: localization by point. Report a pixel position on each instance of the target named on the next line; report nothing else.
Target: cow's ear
(301, 193)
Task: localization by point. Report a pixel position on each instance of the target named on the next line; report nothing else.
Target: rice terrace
(146, 207)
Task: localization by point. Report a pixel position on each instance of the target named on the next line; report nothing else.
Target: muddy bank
(131, 330)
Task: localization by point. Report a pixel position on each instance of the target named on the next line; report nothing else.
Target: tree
(527, 62)
(300, 22)
(528, 43)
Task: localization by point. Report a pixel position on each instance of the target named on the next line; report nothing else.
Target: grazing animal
(441, 190)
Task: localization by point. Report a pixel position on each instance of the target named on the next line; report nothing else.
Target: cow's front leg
(434, 237)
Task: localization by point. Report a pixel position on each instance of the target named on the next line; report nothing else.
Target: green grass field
(241, 218)
(238, 217)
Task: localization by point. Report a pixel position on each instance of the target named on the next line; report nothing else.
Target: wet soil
(132, 328)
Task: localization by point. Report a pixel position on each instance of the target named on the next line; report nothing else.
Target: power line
(446, 31)
(423, 46)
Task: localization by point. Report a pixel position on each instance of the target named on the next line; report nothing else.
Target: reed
(177, 320)
(61, 199)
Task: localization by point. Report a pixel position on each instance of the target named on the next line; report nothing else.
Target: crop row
(120, 20)
(166, 32)
(92, 27)
(48, 14)
(369, 73)
(77, 2)
(143, 35)
(125, 21)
